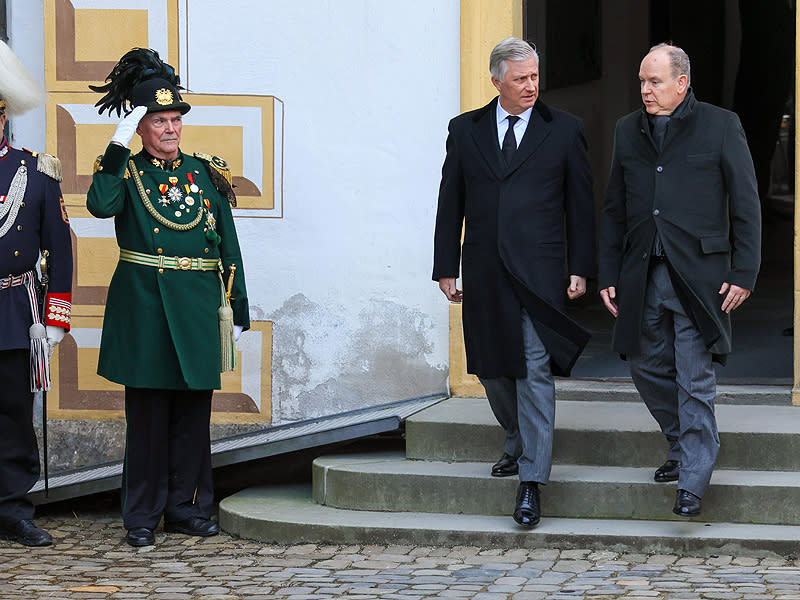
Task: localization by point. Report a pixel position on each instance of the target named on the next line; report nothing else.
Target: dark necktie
(660, 129)
(510, 141)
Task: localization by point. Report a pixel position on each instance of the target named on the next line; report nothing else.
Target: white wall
(368, 87)
(26, 39)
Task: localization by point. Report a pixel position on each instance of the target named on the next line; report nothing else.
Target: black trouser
(167, 456)
(19, 452)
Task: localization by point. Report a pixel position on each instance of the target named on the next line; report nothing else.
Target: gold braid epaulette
(47, 164)
(220, 174)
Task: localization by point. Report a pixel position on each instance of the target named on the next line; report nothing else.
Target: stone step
(752, 437)
(389, 482)
(287, 515)
(624, 391)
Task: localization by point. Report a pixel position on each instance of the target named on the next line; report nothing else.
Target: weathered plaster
(324, 364)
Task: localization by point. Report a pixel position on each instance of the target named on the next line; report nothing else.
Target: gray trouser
(526, 408)
(676, 380)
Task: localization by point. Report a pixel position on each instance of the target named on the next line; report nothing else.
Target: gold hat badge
(164, 96)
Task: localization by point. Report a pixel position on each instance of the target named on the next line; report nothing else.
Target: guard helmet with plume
(19, 91)
(141, 78)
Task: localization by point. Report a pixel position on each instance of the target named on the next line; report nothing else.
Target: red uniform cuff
(58, 310)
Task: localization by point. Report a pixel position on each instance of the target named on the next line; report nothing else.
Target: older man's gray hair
(678, 60)
(509, 49)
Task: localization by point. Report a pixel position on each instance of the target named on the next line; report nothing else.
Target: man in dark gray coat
(517, 177)
(679, 250)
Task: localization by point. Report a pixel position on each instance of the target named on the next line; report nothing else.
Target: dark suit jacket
(699, 192)
(522, 223)
(40, 224)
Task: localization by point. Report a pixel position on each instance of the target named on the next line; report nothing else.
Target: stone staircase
(601, 493)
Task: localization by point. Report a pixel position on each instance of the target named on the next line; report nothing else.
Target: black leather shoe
(527, 513)
(140, 536)
(669, 471)
(506, 466)
(25, 532)
(686, 504)
(192, 526)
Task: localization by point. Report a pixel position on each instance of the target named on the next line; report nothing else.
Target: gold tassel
(49, 165)
(227, 343)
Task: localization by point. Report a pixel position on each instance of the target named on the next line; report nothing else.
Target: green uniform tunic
(161, 328)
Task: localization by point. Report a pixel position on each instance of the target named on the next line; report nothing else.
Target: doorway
(742, 57)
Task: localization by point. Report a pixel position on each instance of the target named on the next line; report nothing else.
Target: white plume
(18, 87)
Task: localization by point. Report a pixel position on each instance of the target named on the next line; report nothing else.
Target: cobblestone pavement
(90, 560)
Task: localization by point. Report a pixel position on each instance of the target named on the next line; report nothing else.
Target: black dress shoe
(669, 471)
(686, 504)
(527, 513)
(506, 466)
(25, 532)
(140, 536)
(192, 526)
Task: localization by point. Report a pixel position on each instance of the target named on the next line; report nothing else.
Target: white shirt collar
(502, 113)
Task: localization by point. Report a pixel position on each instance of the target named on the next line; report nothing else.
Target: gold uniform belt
(177, 263)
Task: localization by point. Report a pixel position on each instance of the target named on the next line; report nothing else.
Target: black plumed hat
(141, 78)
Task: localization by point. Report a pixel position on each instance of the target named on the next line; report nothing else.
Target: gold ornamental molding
(83, 41)
(247, 131)
(78, 392)
(85, 38)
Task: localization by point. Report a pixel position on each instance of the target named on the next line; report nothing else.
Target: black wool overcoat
(522, 223)
(699, 193)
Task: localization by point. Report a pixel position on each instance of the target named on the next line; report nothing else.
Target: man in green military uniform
(167, 331)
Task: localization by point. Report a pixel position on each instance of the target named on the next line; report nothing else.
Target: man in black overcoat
(517, 177)
(679, 250)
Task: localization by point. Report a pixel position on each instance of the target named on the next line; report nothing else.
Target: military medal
(164, 201)
(192, 185)
(189, 200)
(174, 194)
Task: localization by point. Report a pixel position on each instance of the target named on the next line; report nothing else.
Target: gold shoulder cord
(152, 209)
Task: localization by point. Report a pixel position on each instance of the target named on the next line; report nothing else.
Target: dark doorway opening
(742, 56)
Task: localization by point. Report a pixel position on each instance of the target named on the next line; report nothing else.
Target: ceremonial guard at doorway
(33, 318)
(176, 302)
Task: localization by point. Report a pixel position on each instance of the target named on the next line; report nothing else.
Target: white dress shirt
(519, 127)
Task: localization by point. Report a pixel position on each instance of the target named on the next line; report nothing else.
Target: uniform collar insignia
(162, 163)
(3, 148)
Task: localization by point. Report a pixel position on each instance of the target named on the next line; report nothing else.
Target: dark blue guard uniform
(32, 219)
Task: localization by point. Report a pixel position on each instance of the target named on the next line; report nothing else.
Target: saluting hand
(734, 298)
(127, 126)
